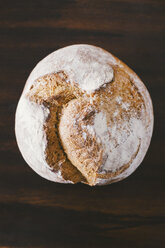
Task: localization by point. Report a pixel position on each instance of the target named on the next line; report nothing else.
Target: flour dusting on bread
(84, 116)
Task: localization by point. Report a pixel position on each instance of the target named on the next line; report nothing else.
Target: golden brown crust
(79, 150)
(52, 91)
(82, 148)
(77, 158)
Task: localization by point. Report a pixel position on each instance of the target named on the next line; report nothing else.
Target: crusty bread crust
(96, 136)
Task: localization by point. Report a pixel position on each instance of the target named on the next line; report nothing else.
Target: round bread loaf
(84, 116)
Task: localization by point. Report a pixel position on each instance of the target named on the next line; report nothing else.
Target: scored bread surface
(95, 134)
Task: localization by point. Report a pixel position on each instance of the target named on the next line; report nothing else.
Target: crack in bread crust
(50, 91)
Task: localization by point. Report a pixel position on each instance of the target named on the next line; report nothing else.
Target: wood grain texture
(38, 213)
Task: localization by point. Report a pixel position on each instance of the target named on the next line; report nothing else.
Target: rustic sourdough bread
(84, 116)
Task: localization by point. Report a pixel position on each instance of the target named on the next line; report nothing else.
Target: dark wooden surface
(38, 213)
